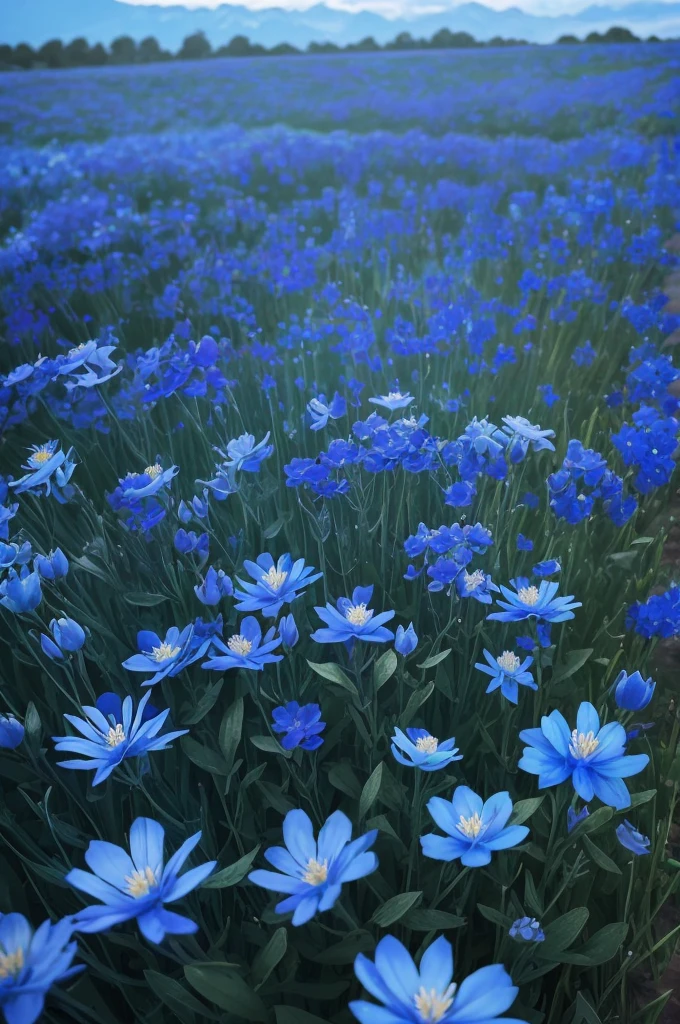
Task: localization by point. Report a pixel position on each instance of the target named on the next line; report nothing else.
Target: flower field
(337, 466)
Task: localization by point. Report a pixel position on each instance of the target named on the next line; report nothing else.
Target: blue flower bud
(214, 587)
(53, 566)
(632, 693)
(11, 732)
(633, 840)
(288, 631)
(50, 648)
(574, 819)
(184, 513)
(21, 592)
(405, 640)
(68, 634)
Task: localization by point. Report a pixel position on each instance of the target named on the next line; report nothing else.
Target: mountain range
(36, 21)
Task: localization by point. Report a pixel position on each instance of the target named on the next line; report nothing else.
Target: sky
(403, 7)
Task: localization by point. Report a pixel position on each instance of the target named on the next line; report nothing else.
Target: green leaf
(233, 874)
(220, 984)
(369, 793)
(139, 598)
(395, 908)
(575, 661)
(599, 857)
(346, 951)
(560, 934)
(494, 916)
(205, 758)
(269, 745)
(175, 996)
(417, 698)
(600, 947)
(431, 920)
(230, 732)
(384, 669)
(584, 1012)
(269, 956)
(637, 799)
(523, 810)
(334, 674)
(341, 776)
(33, 727)
(435, 659)
(291, 1015)
(593, 823)
(204, 705)
(271, 531)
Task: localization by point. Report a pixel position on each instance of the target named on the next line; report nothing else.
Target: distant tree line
(125, 50)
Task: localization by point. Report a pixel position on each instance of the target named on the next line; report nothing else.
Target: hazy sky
(402, 6)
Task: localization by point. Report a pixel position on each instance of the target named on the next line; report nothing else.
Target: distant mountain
(36, 21)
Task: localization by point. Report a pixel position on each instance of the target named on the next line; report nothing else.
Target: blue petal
(146, 844)
(298, 836)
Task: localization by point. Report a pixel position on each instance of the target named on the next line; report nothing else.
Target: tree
(123, 50)
(52, 53)
(568, 40)
(323, 48)
(404, 41)
(98, 56)
(284, 50)
(195, 47)
(77, 53)
(149, 51)
(24, 56)
(367, 45)
(616, 34)
(446, 40)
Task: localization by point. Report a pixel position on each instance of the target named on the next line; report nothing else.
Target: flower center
(470, 827)
(42, 456)
(583, 744)
(239, 645)
(474, 579)
(11, 963)
(431, 1006)
(427, 744)
(508, 662)
(394, 395)
(116, 736)
(274, 578)
(164, 652)
(528, 595)
(154, 471)
(140, 882)
(77, 349)
(358, 614)
(316, 873)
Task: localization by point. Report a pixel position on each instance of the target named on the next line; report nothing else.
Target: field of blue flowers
(338, 448)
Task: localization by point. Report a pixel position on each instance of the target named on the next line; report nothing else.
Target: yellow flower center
(473, 579)
(274, 578)
(431, 1006)
(508, 662)
(154, 471)
(393, 395)
(239, 645)
(470, 827)
(528, 595)
(115, 736)
(164, 652)
(42, 456)
(316, 873)
(140, 882)
(427, 744)
(583, 744)
(358, 614)
(78, 348)
(11, 963)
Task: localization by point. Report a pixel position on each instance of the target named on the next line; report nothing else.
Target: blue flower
(523, 543)
(405, 640)
(659, 615)
(460, 494)
(312, 873)
(532, 602)
(48, 467)
(321, 411)
(13, 554)
(288, 631)
(474, 828)
(394, 400)
(301, 725)
(521, 434)
(584, 355)
(507, 672)
(146, 484)
(353, 620)
(526, 928)
(632, 692)
(11, 732)
(111, 734)
(188, 543)
(574, 818)
(245, 455)
(633, 840)
(53, 566)
(68, 634)
(30, 963)
(137, 885)
(477, 585)
(275, 584)
(594, 758)
(547, 568)
(20, 592)
(423, 750)
(245, 649)
(214, 587)
(417, 996)
(165, 657)
(549, 396)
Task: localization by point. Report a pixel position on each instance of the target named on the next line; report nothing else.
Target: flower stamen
(432, 1006)
(239, 644)
(115, 736)
(427, 744)
(140, 882)
(358, 614)
(472, 826)
(583, 744)
(164, 652)
(274, 578)
(528, 595)
(11, 963)
(508, 662)
(154, 471)
(316, 872)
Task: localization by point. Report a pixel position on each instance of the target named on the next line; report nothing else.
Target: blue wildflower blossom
(137, 494)
(632, 692)
(411, 995)
(522, 434)
(394, 400)
(214, 587)
(523, 543)
(547, 568)
(312, 872)
(7, 514)
(633, 840)
(527, 929)
(53, 566)
(659, 615)
(474, 828)
(321, 411)
(405, 640)
(507, 672)
(353, 620)
(423, 750)
(288, 631)
(244, 454)
(136, 885)
(549, 396)
(301, 725)
(477, 585)
(48, 467)
(146, 484)
(275, 584)
(188, 543)
(530, 602)
(67, 633)
(165, 657)
(13, 554)
(245, 649)
(11, 732)
(574, 817)
(31, 963)
(110, 734)
(594, 758)
(584, 355)
(94, 360)
(20, 592)
(460, 494)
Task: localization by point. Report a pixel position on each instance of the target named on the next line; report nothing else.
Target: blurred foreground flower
(11, 732)
(30, 963)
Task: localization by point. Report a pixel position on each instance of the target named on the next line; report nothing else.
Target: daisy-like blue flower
(93, 360)
(476, 584)
(11, 732)
(528, 929)
(110, 735)
(244, 454)
(275, 584)
(20, 592)
(594, 758)
(507, 672)
(423, 750)
(394, 400)
(136, 885)
(245, 649)
(474, 828)
(353, 620)
(30, 963)
(143, 485)
(48, 467)
(410, 995)
(531, 602)
(166, 657)
(321, 411)
(312, 872)
(633, 840)
(301, 725)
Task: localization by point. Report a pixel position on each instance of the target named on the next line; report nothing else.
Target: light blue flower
(143, 485)
(275, 584)
(288, 631)
(632, 692)
(594, 758)
(14, 554)
(136, 885)
(528, 929)
(20, 592)
(633, 840)
(68, 634)
(95, 362)
(321, 411)
(474, 828)
(48, 467)
(30, 963)
(428, 995)
(477, 585)
(530, 602)
(53, 566)
(353, 620)
(214, 587)
(166, 657)
(507, 672)
(423, 750)
(406, 640)
(522, 434)
(312, 873)
(11, 732)
(394, 400)
(245, 649)
(110, 735)
(244, 454)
